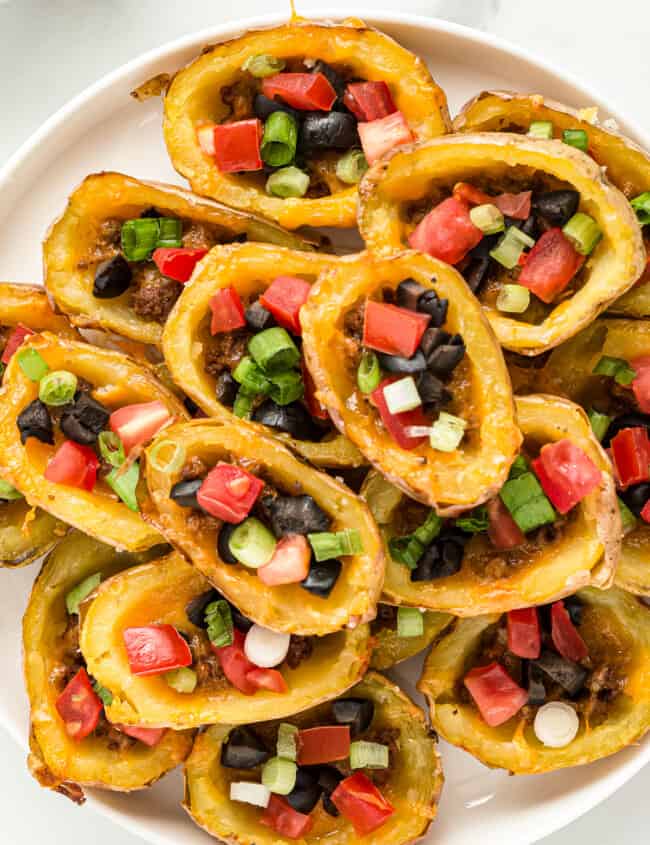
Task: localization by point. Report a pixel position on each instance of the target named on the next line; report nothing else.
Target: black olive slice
(195, 609)
(243, 750)
(408, 294)
(569, 675)
(223, 543)
(355, 712)
(84, 420)
(634, 420)
(263, 107)
(405, 366)
(636, 496)
(328, 130)
(444, 359)
(305, 794)
(258, 317)
(184, 492)
(441, 559)
(322, 578)
(329, 778)
(432, 339)
(575, 609)
(430, 303)
(295, 515)
(292, 419)
(112, 278)
(557, 207)
(35, 421)
(432, 391)
(226, 389)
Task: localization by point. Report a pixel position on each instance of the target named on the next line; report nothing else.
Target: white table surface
(52, 49)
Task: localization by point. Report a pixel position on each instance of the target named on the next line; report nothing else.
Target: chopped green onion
(327, 544)
(252, 543)
(249, 792)
(279, 775)
(641, 205)
(599, 423)
(510, 247)
(541, 129)
(487, 218)
(139, 238)
(170, 233)
(410, 622)
(250, 376)
(263, 65)
(243, 404)
(513, 299)
(182, 680)
(616, 368)
(527, 502)
(174, 460)
(218, 619)
(583, 232)
(287, 741)
(406, 550)
(125, 484)
(111, 448)
(628, 519)
(32, 363)
(351, 167)
(429, 530)
(368, 755)
(402, 395)
(280, 139)
(105, 695)
(475, 522)
(286, 387)
(577, 138)
(57, 388)
(8, 491)
(369, 372)
(81, 592)
(518, 467)
(447, 432)
(288, 182)
(274, 350)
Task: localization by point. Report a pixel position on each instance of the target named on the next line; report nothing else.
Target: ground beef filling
(224, 351)
(386, 619)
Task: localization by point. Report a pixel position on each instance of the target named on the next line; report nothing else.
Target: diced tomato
(397, 424)
(236, 666)
(307, 91)
(284, 298)
(79, 706)
(229, 492)
(645, 512)
(369, 100)
(268, 679)
(564, 634)
(153, 649)
(227, 311)
(503, 531)
(641, 384)
(205, 137)
(550, 266)
(149, 736)
(516, 206)
(567, 474)
(290, 562)
(280, 816)
(379, 137)
(237, 146)
(361, 803)
(73, 465)
(496, 695)
(313, 405)
(14, 340)
(323, 745)
(137, 424)
(177, 264)
(464, 192)
(391, 329)
(630, 453)
(524, 632)
(447, 232)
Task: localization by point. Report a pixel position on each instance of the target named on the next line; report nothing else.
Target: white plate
(104, 129)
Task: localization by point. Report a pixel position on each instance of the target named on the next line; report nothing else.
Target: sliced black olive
(112, 278)
(397, 364)
(223, 543)
(557, 207)
(444, 359)
(241, 622)
(84, 420)
(184, 492)
(329, 778)
(258, 317)
(408, 294)
(358, 713)
(305, 794)
(432, 391)
(292, 419)
(636, 496)
(328, 130)
(263, 107)
(441, 559)
(151, 212)
(633, 420)
(295, 515)
(226, 389)
(575, 608)
(527, 226)
(190, 406)
(476, 272)
(35, 421)
(322, 577)
(195, 609)
(536, 688)
(569, 675)
(430, 303)
(432, 339)
(333, 77)
(243, 750)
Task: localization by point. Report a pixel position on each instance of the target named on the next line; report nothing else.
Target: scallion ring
(288, 182)
(351, 167)
(262, 65)
(125, 484)
(57, 387)
(111, 448)
(280, 139)
(161, 461)
(32, 363)
(369, 372)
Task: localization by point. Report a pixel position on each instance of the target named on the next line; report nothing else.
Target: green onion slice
(475, 522)
(286, 387)
(111, 448)
(125, 484)
(243, 404)
(32, 363)
(513, 299)
(541, 129)
(182, 680)
(252, 543)
(508, 251)
(218, 618)
(410, 622)
(274, 350)
(280, 139)
(170, 233)
(369, 755)
(139, 238)
(263, 65)
(583, 232)
(287, 741)
(81, 592)
(616, 368)
(288, 182)
(327, 544)
(487, 218)
(351, 167)
(527, 502)
(577, 138)
(250, 376)
(57, 388)
(447, 432)
(599, 423)
(641, 205)
(627, 517)
(8, 492)
(369, 372)
(105, 695)
(279, 775)
(409, 548)
(167, 456)
(519, 467)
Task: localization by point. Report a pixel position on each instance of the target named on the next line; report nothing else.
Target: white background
(52, 49)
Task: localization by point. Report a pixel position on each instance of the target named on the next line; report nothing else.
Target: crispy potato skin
(68, 275)
(56, 761)
(513, 746)
(391, 649)
(405, 175)
(413, 789)
(586, 554)
(194, 95)
(450, 482)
